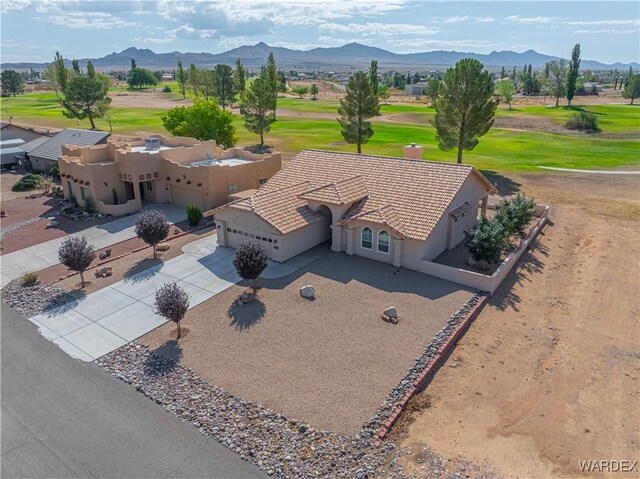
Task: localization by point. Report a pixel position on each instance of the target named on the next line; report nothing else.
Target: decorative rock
(391, 311)
(104, 272)
(393, 320)
(385, 318)
(308, 291)
(162, 247)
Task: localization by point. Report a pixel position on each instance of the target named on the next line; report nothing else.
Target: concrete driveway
(43, 255)
(116, 315)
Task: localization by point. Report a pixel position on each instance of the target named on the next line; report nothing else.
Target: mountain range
(350, 55)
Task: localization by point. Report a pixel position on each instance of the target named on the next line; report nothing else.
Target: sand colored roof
(339, 192)
(409, 196)
(281, 208)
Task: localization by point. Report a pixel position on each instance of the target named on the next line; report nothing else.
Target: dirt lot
(321, 361)
(548, 374)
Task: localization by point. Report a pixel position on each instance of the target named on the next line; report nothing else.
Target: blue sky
(32, 30)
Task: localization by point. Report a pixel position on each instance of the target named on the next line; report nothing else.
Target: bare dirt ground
(548, 374)
(320, 361)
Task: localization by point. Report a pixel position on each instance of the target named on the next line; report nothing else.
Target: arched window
(367, 238)
(383, 242)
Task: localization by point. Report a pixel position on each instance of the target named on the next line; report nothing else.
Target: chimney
(412, 152)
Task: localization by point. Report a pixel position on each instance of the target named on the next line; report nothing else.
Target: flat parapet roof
(144, 149)
(221, 162)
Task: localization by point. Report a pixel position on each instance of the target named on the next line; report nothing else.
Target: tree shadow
(245, 317)
(505, 185)
(258, 149)
(142, 270)
(63, 302)
(164, 359)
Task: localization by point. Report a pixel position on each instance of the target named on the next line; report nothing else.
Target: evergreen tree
(181, 78)
(615, 75)
(373, 76)
(314, 91)
(513, 73)
(86, 98)
(416, 78)
(76, 66)
(432, 90)
(574, 70)
(12, 82)
(258, 106)
(223, 92)
(271, 72)
(408, 80)
(239, 79)
(194, 80)
(358, 105)
(91, 72)
(61, 72)
(632, 87)
(502, 73)
(465, 109)
(133, 64)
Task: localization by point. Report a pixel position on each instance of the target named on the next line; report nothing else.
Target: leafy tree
(632, 88)
(194, 80)
(76, 254)
(432, 90)
(181, 78)
(300, 90)
(258, 107)
(358, 105)
(76, 66)
(486, 241)
(85, 98)
(172, 303)
(12, 82)
(572, 75)
(61, 72)
(506, 89)
(314, 91)
(157, 75)
(250, 261)
(615, 75)
(282, 82)
(205, 120)
(141, 78)
(408, 80)
(239, 79)
(530, 85)
(91, 71)
(383, 93)
(223, 92)
(416, 78)
(50, 76)
(465, 109)
(515, 214)
(503, 73)
(207, 80)
(133, 64)
(513, 73)
(557, 79)
(152, 227)
(373, 76)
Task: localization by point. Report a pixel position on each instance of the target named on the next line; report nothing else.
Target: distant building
(11, 153)
(117, 177)
(415, 89)
(45, 155)
(9, 131)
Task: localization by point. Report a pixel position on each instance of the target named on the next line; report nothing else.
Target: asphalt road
(62, 418)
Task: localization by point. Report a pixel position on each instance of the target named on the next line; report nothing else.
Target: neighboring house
(11, 153)
(415, 89)
(45, 156)
(9, 131)
(394, 210)
(117, 177)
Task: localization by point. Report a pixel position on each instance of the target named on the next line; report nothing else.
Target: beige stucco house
(117, 177)
(394, 210)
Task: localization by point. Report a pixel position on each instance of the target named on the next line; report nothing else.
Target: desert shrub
(515, 214)
(28, 182)
(166, 89)
(73, 199)
(486, 241)
(29, 279)
(55, 172)
(45, 183)
(88, 205)
(76, 254)
(172, 303)
(583, 121)
(250, 260)
(194, 215)
(152, 227)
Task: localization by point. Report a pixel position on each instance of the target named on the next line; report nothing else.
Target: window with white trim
(383, 242)
(367, 238)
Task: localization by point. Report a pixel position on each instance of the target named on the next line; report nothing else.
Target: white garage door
(237, 234)
(182, 195)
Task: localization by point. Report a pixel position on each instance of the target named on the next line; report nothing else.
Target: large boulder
(391, 312)
(308, 291)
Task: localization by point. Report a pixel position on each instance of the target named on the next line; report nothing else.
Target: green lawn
(500, 149)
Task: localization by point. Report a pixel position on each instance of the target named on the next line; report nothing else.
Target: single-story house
(118, 176)
(415, 89)
(11, 131)
(45, 156)
(394, 210)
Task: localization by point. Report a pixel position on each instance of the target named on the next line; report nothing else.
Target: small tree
(373, 76)
(515, 214)
(432, 90)
(172, 303)
(486, 241)
(383, 93)
(223, 80)
(314, 91)
(358, 105)
(12, 82)
(181, 78)
(85, 97)
(152, 227)
(258, 107)
(300, 90)
(76, 254)
(506, 89)
(584, 121)
(250, 260)
(205, 120)
(632, 89)
(574, 71)
(239, 79)
(556, 81)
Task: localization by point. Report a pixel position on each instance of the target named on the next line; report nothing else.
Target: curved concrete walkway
(600, 172)
(111, 317)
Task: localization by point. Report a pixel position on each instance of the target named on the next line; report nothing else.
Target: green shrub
(29, 279)
(166, 89)
(88, 205)
(194, 215)
(515, 214)
(28, 182)
(73, 199)
(486, 241)
(584, 121)
(55, 172)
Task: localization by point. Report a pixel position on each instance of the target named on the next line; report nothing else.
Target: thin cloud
(467, 18)
(605, 30)
(379, 29)
(530, 20)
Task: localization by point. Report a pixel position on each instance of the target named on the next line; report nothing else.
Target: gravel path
(16, 226)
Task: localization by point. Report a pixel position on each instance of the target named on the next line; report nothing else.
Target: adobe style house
(117, 177)
(394, 210)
